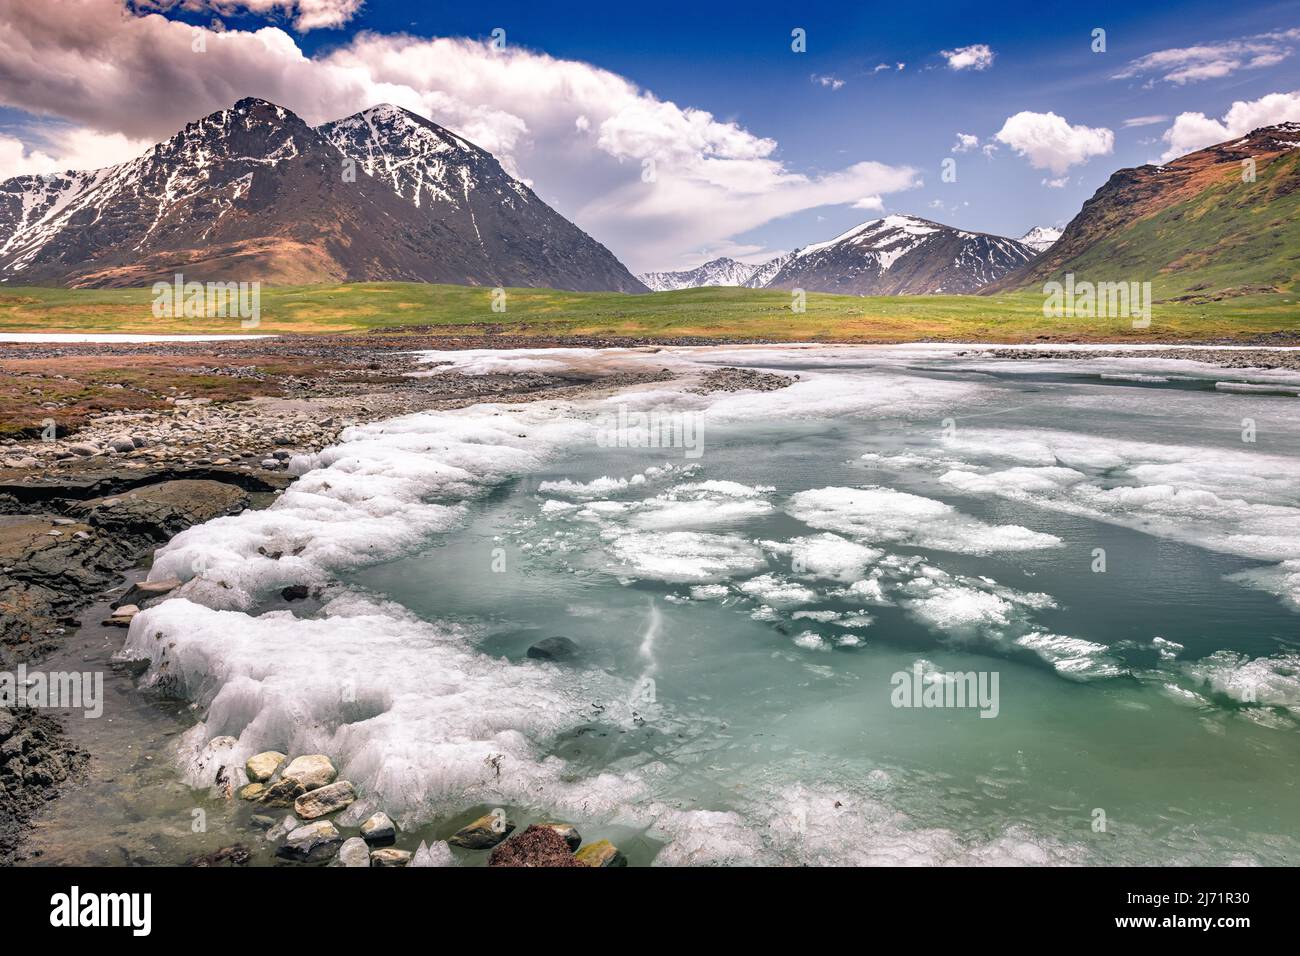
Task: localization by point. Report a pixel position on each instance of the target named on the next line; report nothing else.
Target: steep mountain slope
(1197, 227)
(253, 193)
(901, 255)
(509, 236)
(717, 272)
(1040, 238)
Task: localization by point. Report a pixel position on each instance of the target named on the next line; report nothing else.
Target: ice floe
(876, 514)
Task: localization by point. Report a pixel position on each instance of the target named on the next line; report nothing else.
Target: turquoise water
(784, 719)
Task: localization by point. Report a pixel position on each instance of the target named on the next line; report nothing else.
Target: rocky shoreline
(316, 831)
(1236, 358)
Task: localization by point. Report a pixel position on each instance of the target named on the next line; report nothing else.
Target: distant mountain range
(254, 193)
(896, 255)
(1220, 222)
(723, 271)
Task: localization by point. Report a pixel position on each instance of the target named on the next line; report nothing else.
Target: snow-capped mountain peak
(901, 255)
(722, 271)
(421, 161)
(1040, 238)
(253, 192)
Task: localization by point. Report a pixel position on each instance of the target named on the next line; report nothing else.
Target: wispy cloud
(1144, 121)
(828, 81)
(1205, 61)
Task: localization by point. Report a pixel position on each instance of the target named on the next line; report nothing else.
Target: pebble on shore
(379, 830)
(262, 767)
(484, 833)
(311, 842)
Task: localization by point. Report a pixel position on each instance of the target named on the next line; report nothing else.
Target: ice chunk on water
(1282, 580)
(596, 488)
(776, 591)
(437, 853)
(811, 641)
(826, 556)
(1072, 657)
(885, 515)
(1240, 502)
(1265, 681)
(966, 607)
(684, 557)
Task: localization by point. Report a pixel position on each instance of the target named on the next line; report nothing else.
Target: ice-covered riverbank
(890, 506)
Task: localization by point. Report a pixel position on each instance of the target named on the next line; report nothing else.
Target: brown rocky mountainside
(253, 193)
(1204, 225)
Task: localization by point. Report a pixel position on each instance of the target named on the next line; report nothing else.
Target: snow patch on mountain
(1040, 238)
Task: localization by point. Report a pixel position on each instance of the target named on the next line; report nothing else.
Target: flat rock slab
(311, 771)
(311, 842)
(324, 800)
(390, 857)
(162, 511)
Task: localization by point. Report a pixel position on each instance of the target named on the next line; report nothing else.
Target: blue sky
(806, 122)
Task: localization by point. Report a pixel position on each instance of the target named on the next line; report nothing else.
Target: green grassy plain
(692, 313)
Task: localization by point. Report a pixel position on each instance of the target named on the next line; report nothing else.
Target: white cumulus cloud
(977, 56)
(1193, 131)
(1049, 142)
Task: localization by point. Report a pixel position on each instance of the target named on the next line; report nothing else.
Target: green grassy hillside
(697, 313)
(1234, 237)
